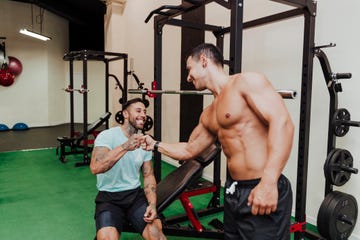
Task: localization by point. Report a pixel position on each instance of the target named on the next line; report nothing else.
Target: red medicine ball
(14, 65)
(6, 77)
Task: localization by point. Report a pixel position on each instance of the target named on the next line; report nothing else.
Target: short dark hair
(131, 101)
(210, 50)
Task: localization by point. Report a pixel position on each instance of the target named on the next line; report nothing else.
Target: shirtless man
(250, 120)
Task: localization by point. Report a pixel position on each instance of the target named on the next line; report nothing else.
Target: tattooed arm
(102, 158)
(150, 191)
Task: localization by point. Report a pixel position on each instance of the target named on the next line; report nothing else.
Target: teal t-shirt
(125, 174)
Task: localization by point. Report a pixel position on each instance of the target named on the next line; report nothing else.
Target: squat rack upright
(165, 15)
(85, 56)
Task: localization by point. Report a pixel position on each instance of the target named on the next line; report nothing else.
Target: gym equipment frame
(166, 15)
(338, 212)
(85, 56)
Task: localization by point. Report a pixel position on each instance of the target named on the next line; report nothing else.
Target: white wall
(36, 98)
(32, 98)
(275, 50)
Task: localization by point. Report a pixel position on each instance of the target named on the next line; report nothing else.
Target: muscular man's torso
(241, 132)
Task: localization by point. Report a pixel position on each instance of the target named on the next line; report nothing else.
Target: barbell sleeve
(288, 94)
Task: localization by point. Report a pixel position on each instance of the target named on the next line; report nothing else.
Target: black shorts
(113, 209)
(239, 223)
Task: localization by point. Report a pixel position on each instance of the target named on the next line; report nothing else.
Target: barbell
(288, 94)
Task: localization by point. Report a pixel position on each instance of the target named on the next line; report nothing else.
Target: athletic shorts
(114, 209)
(240, 224)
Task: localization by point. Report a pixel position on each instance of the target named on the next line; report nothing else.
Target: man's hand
(147, 143)
(132, 143)
(150, 213)
(263, 199)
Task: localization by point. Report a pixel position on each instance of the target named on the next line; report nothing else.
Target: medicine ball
(14, 65)
(6, 78)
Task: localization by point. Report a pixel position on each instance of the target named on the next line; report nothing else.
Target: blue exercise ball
(3, 127)
(20, 126)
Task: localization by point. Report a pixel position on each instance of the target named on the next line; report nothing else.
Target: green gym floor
(42, 198)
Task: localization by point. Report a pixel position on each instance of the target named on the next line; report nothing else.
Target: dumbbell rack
(338, 212)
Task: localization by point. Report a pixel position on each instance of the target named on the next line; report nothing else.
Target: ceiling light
(34, 34)
(39, 19)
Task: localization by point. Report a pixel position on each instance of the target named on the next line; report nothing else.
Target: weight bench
(174, 184)
(75, 142)
(179, 184)
(182, 184)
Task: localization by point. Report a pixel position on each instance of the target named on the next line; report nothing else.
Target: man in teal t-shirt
(117, 160)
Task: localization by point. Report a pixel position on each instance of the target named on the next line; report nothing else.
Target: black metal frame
(305, 8)
(2, 47)
(332, 83)
(325, 65)
(85, 56)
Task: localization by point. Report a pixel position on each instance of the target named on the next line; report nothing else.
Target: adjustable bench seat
(171, 187)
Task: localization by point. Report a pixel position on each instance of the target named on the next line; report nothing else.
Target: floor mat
(42, 198)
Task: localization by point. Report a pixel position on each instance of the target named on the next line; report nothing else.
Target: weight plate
(323, 214)
(337, 165)
(119, 118)
(148, 123)
(337, 216)
(327, 161)
(341, 114)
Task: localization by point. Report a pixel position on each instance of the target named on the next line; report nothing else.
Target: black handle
(342, 75)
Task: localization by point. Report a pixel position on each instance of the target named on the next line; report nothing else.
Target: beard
(133, 125)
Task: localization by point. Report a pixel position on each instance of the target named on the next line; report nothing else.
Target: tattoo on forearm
(100, 154)
(125, 146)
(147, 170)
(149, 188)
(153, 189)
(100, 157)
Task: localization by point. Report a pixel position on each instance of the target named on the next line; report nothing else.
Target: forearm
(150, 190)
(102, 161)
(177, 151)
(199, 140)
(280, 141)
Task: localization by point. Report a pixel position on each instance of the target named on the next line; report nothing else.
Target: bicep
(97, 159)
(98, 154)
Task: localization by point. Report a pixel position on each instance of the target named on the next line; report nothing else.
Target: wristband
(156, 146)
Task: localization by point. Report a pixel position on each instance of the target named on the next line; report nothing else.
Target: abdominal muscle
(241, 131)
(245, 148)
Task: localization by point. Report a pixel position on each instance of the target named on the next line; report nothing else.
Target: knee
(153, 231)
(107, 233)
